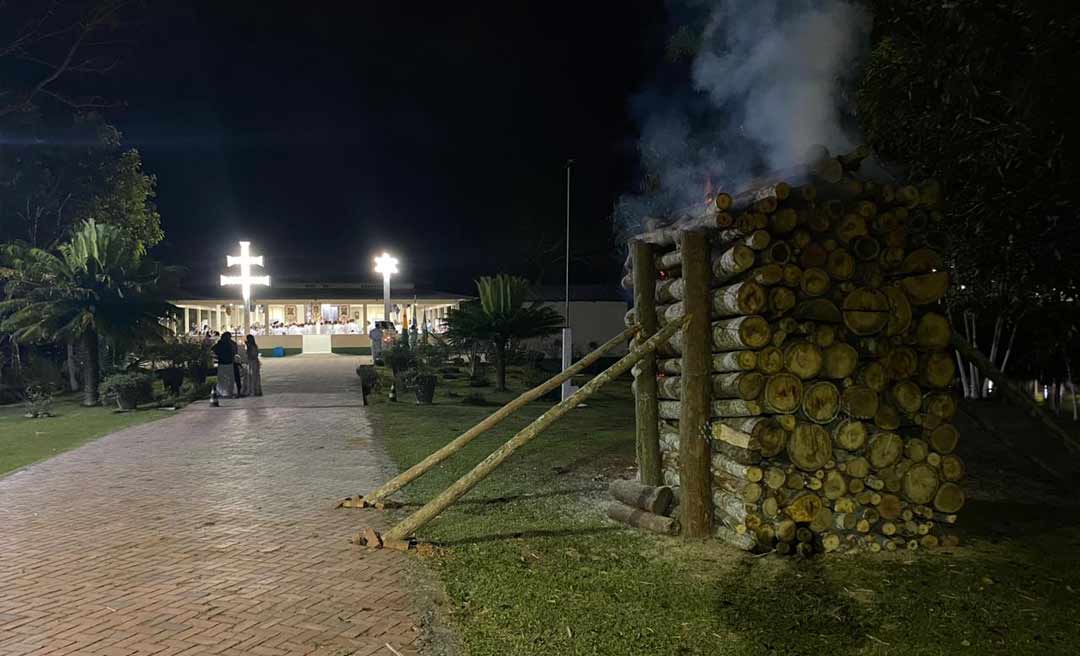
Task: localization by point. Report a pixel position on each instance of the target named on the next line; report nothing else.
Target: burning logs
(827, 392)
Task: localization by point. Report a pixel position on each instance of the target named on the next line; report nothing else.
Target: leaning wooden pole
(478, 473)
(646, 410)
(1013, 391)
(492, 420)
(695, 457)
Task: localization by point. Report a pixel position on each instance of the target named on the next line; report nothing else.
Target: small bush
(127, 389)
(39, 400)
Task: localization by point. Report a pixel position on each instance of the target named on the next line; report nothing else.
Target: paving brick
(208, 532)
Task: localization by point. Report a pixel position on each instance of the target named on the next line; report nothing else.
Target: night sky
(327, 132)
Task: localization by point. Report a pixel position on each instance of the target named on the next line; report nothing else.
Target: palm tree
(500, 318)
(96, 286)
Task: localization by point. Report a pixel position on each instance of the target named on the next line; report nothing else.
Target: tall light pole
(567, 333)
(387, 266)
(245, 280)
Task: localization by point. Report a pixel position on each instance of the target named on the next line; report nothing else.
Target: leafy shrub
(128, 389)
(39, 400)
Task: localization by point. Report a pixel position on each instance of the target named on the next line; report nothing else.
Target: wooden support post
(696, 510)
(459, 442)
(478, 473)
(645, 403)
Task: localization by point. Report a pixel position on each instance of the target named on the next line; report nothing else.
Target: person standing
(376, 336)
(254, 367)
(225, 354)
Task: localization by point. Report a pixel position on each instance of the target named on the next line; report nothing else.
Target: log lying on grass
(654, 499)
(642, 519)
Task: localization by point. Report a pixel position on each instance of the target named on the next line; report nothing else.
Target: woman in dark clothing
(254, 367)
(225, 354)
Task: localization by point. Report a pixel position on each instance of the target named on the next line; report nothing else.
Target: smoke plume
(765, 82)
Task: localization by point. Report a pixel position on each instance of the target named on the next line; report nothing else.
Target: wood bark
(646, 410)
(642, 519)
(695, 503)
(654, 499)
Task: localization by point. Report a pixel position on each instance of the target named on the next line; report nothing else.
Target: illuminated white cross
(386, 264)
(245, 261)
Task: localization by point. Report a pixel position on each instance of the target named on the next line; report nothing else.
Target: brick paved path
(211, 531)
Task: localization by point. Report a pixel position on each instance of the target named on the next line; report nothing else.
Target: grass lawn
(531, 566)
(24, 441)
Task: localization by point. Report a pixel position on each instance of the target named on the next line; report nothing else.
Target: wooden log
(783, 393)
(732, 262)
(809, 447)
(642, 519)
(907, 396)
(803, 358)
(727, 466)
(821, 402)
(936, 369)
(653, 499)
(949, 498)
(925, 288)
(849, 434)
(916, 450)
(781, 299)
(804, 507)
(740, 333)
(859, 401)
(760, 434)
(694, 453)
(746, 385)
(900, 362)
(943, 438)
(839, 361)
(920, 483)
(770, 360)
(933, 332)
(873, 375)
(865, 311)
(462, 486)
(729, 361)
(884, 449)
(744, 541)
(952, 468)
(459, 442)
(723, 408)
(887, 416)
(818, 309)
(768, 274)
(646, 410)
(742, 298)
(814, 282)
(840, 265)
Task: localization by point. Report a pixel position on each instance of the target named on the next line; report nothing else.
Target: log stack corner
(831, 385)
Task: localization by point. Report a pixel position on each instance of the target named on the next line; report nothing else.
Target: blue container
(278, 352)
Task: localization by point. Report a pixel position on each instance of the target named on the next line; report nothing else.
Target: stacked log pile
(832, 374)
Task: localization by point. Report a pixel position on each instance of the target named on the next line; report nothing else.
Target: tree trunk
(92, 367)
(73, 376)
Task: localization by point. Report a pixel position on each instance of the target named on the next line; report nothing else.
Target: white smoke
(766, 84)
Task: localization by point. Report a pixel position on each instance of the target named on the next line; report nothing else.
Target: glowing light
(386, 264)
(245, 280)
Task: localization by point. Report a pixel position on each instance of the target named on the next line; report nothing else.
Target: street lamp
(245, 280)
(387, 266)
